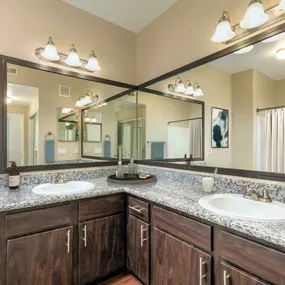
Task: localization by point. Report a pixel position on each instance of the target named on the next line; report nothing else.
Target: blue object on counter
(107, 148)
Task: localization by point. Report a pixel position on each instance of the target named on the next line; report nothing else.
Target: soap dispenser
(14, 176)
(132, 168)
(120, 170)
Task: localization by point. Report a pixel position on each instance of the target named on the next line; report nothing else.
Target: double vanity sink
(229, 205)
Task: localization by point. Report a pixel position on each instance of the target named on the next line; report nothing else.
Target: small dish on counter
(141, 178)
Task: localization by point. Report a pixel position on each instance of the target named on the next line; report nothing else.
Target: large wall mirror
(44, 122)
(110, 128)
(244, 99)
(170, 127)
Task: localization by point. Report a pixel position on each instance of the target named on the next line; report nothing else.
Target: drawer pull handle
(202, 274)
(226, 277)
(136, 208)
(85, 235)
(142, 239)
(68, 241)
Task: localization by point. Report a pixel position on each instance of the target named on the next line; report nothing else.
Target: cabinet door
(234, 276)
(44, 258)
(101, 247)
(177, 263)
(138, 248)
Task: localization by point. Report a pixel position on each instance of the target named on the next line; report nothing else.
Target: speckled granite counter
(179, 196)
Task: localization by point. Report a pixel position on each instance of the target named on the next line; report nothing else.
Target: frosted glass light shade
(254, 16)
(244, 50)
(189, 89)
(223, 32)
(73, 58)
(93, 120)
(179, 87)
(280, 54)
(50, 51)
(198, 91)
(93, 64)
(88, 119)
(282, 5)
(78, 103)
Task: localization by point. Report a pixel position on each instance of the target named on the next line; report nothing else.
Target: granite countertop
(176, 195)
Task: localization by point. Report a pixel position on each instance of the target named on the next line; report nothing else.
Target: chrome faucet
(59, 178)
(253, 195)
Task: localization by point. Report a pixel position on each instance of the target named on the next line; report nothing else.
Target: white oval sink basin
(71, 187)
(235, 206)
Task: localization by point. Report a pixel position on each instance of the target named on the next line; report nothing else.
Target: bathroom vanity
(88, 240)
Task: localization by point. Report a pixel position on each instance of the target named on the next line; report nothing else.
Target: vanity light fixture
(224, 31)
(86, 99)
(255, 15)
(185, 89)
(274, 38)
(87, 119)
(49, 53)
(93, 64)
(93, 120)
(280, 54)
(244, 50)
(73, 59)
(67, 110)
(8, 100)
(197, 90)
(282, 5)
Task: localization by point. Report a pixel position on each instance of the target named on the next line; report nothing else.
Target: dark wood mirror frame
(5, 60)
(142, 87)
(145, 87)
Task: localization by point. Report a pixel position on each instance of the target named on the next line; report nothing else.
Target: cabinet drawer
(101, 207)
(233, 276)
(38, 220)
(188, 230)
(257, 259)
(139, 209)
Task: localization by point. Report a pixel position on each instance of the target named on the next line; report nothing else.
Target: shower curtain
(275, 143)
(195, 138)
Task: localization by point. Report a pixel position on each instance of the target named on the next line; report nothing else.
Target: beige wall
(183, 34)
(22, 110)
(26, 25)
(49, 100)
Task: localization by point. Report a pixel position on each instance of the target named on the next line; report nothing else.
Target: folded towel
(107, 148)
(49, 151)
(157, 150)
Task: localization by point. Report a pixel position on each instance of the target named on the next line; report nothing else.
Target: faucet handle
(265, 196)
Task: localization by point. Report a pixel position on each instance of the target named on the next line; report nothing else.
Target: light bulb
(244, 50)
(254, 16)
(189, 88)
(73, 58)
(93, 64)
(50, 51)
(179, 86)
(198, 91)
(280, 54)
(282, 5)
(224, 30)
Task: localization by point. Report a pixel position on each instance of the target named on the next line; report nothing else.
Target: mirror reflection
(244, 106)
(109, 127)
(170, 128)
(44, 117)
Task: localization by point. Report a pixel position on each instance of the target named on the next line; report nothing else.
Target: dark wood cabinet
(138, 248)
(233, 276)
(101, 247)
(44, 258)
(177, 263)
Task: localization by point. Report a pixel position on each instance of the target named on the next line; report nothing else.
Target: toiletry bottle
(132, 168)
(14, 176)
(120, 170)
